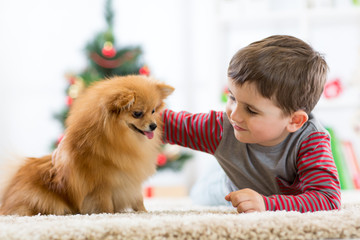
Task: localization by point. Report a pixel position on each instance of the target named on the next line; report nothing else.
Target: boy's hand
(246, 200)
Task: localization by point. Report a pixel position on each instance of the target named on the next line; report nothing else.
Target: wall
(40, 41)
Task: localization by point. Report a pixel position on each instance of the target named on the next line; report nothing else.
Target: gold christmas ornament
(108, 45)
(76, 88)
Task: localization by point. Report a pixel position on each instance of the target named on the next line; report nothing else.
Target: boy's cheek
(230, 109)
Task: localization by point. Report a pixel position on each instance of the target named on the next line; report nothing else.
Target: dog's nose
(153, 126)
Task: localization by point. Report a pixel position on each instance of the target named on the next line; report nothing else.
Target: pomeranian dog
(111, 142)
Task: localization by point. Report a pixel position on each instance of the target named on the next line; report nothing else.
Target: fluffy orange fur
(110, 147)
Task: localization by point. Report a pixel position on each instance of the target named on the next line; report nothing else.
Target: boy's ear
(121, 100)
(297, 120)
(165, 90)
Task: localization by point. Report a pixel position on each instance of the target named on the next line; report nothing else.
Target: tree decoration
(144, 70)
(224, 95)
(76, 87)
(333, 88)
(161, 160)
(108, 50)
(172, 157)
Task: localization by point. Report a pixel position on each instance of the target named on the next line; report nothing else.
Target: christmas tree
(106, 59)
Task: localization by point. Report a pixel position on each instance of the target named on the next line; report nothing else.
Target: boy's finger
(245, 206)
(228, 197)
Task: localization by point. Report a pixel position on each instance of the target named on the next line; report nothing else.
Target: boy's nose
(236, 115)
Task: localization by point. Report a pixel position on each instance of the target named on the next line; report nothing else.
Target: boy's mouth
(236, 127)
(148, 134)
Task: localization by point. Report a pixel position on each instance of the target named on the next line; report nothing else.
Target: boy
(274, 152)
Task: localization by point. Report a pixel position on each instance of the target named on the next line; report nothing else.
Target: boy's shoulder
(311, 127)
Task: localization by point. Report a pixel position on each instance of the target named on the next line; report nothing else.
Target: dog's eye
(137, 114)
(153, 111)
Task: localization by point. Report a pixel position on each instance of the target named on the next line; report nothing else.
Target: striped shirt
(298, 174)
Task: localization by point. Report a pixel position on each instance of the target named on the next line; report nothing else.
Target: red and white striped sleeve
(200, 131)
(317, 186)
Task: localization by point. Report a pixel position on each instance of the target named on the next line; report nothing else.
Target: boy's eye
(231, 97)
(250, 111)
(137, 114)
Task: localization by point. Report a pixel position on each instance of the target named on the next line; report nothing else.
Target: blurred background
(186, 43)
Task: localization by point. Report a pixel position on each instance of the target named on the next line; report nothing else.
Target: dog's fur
(109, 150)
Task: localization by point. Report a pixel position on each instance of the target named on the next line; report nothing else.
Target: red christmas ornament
(149, 192)
(108, 50)
(161, 160)
(144, 70)
(333, 88)
(69, 101)
(71, 80)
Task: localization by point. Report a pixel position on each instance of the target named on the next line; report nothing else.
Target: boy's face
(255, 119)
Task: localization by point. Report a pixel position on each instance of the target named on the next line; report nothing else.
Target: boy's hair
(284, 69)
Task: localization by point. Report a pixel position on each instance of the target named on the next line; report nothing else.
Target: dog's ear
(121, 101)
(165, 90)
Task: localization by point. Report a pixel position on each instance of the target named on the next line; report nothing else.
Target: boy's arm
(317, 186)
(201, 131)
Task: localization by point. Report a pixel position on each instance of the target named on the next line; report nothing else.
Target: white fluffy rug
(178, 218)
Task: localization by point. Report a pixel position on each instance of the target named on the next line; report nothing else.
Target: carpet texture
(178, 218)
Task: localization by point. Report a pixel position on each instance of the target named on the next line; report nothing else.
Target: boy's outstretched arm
(201, 131)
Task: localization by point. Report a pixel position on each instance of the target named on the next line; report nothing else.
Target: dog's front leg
(98, 201)
(124, 199)
(138, 201)
(138, 205)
